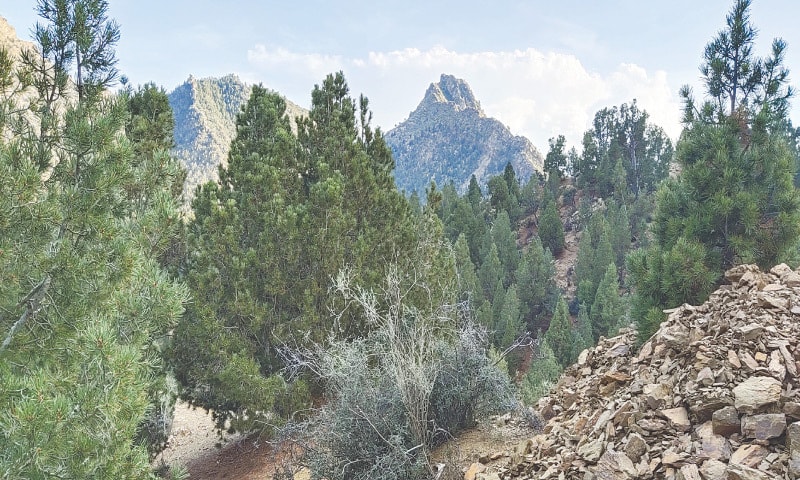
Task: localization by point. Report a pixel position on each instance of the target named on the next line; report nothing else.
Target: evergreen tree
(560, 335)
(491, 272)
(468, 284)
(734, 201)
(537, 288)
(543, 373)
(584, 338)
(608, 307)
(510, 325)
(506, 241)
(289, 214)
(83, 297)
(551, 230)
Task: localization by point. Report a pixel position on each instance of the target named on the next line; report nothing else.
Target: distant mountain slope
(448, 137)
(205, 124)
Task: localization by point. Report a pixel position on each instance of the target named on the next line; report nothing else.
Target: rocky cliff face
(448, 137)
(10, 41)
(713, 395)
(205, 124)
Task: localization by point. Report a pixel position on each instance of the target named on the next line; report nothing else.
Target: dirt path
(195, 444)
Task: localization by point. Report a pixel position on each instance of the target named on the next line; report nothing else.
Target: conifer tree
(734, 201)
(551, 229)
(608, 307)
(543, 373)
(291, 212)
(83, 300)
(560, 335)
(468, 283)
(536, 280)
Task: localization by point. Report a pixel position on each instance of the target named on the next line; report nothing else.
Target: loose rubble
(713, 395)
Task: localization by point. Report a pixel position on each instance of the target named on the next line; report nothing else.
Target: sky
(542, 67)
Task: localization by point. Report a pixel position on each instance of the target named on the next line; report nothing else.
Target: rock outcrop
(449, 138)
(713, 395)
(205, 112)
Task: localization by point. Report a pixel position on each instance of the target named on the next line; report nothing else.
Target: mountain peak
(449, 138)
(453, 91)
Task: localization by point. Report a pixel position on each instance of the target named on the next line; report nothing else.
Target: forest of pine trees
(303, 292)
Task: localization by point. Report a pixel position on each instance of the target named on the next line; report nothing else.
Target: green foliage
(560, 335)
(290, 212)
(608, 308)
(623, 152)
(595, 254)
(536, 284)
(541, 376)
(667, 278)
(551, 229)
(84, 300)
(734, 201)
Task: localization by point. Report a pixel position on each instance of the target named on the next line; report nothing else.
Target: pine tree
(543, 373)
(289, 214)
(536, 280)
(491, 272)
(560, 335)
(551, 229)
(734, 201)
(608, 307)
(584, 338)
(468, 283)
(84, 299)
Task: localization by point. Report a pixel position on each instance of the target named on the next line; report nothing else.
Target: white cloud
(538, 94)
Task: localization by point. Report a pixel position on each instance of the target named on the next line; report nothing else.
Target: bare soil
(195, 444)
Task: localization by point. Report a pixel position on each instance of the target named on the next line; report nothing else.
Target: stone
(761, 357)
(793, 439)
(688, 472)
(656, 394)
(678, 418)
(488, 476)
(792, 409)
(775, 367)
(713, 470)
(755, 393)
(751, 331)
(636, 447)
(591, 451)
(615, 465)
(705, 377)
(725, 421)
(764, 426)
(715, 447)
(749, 455)
(474, 470)
(740, 472)
(794, 467)
(733, 359)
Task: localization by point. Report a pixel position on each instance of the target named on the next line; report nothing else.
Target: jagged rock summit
(9, 39)
(205, 112)
(449, 138)
(713, 395)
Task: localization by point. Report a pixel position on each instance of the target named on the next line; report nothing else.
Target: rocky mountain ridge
(449, 137)
(205, 112)
(713, 395)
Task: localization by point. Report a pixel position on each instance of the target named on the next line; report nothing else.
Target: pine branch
(33, 304)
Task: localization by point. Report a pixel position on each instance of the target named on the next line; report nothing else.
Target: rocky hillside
(448, 137)
(713, 395)
(205, 123)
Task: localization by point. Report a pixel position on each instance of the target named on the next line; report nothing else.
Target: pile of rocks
(713, 395)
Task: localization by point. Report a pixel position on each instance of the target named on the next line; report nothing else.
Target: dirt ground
(196, 445)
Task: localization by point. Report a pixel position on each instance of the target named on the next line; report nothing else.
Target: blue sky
(542, 67)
